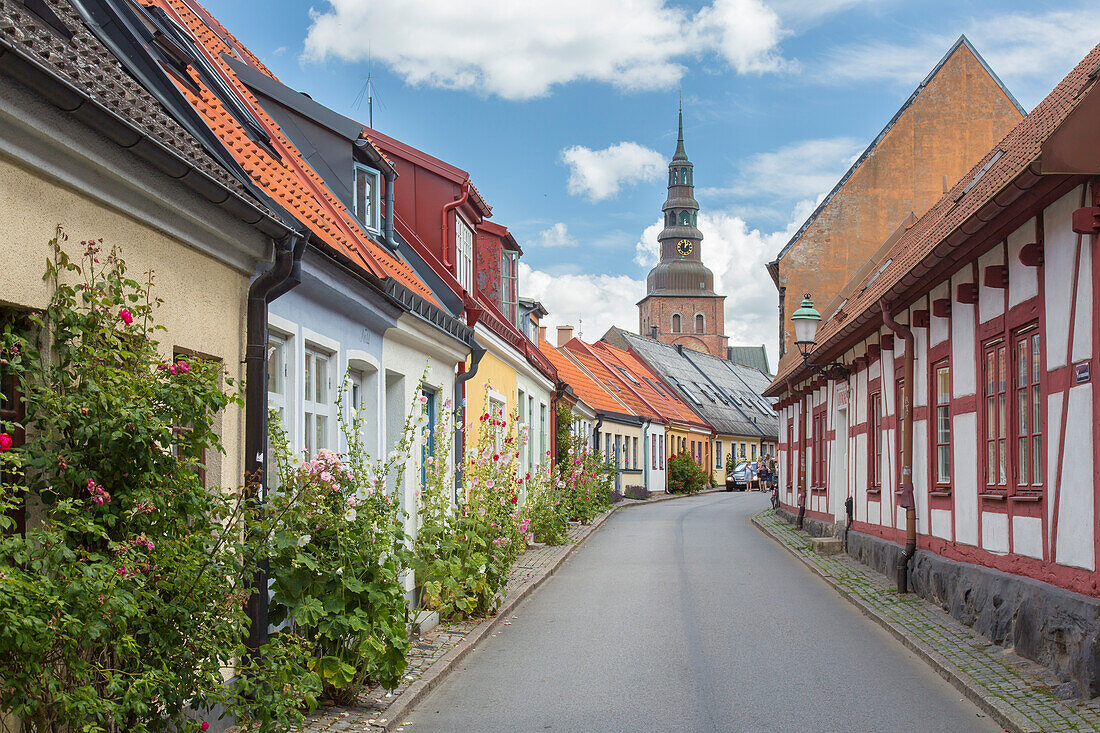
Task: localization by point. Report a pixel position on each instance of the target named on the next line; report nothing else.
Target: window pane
(1022, 362)
(991, 462)
(1037, 459)
(322, 431)
(990, 374)
(309, 444)
(1036, 414)
(1002, 422)
(1035, 360)
(321, 366)
(943, 462)
(275, 367)
(1024, 475)
(1021, 410)
(307, 373)
(1002, 462)
(943, 385)
(1002, 373)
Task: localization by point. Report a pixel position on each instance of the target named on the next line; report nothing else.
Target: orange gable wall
(951, 123)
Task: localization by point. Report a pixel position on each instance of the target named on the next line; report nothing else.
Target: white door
(838, 481)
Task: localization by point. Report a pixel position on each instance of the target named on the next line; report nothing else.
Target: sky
(564, 113)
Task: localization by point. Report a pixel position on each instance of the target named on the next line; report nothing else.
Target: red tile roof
(592, 392)
(663, 402)
(941, 230)
(289, 179)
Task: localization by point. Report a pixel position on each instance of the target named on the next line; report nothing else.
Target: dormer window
(509, 285)
(366, 197)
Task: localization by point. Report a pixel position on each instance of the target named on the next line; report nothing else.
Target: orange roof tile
(592, 392)
(940, 228)
(290, 181)
(664, 404)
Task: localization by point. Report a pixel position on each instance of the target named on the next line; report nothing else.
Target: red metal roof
(975, 199)
(592, 392)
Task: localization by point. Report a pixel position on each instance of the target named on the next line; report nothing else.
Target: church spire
(681, 154)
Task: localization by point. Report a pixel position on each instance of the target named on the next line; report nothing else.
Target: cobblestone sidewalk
(1017, 693)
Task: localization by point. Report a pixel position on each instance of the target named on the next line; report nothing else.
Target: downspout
(391, 241)
(905, 491)
(596, 434)
(265, 288)
(800, 489)
(463, 376)
(447, 208)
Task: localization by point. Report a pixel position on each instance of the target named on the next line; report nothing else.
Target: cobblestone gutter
(1019, 694)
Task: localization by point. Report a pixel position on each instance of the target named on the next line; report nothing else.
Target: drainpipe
(905, 491)
(391, 241)
(801, 491)
(265, 288)
(461, 378)
(447, 208)
(596, 434)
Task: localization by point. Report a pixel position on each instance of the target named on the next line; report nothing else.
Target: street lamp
(806, 321)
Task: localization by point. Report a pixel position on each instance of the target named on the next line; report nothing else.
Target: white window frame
(718, 455)
(374, 224)
(464, 253)
(312, 408)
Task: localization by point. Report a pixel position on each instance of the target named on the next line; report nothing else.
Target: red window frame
(790, 452)
(899, 399)
(940, 425)
(819, 462)
(874, 442)
(1027, 407)
(995, 420)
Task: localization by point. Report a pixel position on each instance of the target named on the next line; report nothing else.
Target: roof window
(978, 176)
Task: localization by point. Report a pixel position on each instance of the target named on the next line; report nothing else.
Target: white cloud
(1036, 49)
(592, 303)
(599, 174)
(556, 236)
(520, 50)
(800, 170)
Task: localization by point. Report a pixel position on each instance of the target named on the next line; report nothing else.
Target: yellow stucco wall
(492, 373)
(204, 299)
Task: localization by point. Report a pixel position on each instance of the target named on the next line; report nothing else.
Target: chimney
(542, 334)
(653, 332)
(565, 334)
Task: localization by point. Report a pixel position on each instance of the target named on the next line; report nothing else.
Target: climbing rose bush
(123, 603)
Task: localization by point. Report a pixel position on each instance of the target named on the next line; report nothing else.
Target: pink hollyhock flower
(183, 367)
(5, 442)
(352, 501)
(515, 499)
(126, 316)
(204, 727)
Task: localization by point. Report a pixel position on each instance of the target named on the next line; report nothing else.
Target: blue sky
(565, 113)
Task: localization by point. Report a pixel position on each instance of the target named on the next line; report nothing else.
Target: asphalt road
(682, 616)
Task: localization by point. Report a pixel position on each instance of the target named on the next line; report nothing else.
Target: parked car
(741, 477)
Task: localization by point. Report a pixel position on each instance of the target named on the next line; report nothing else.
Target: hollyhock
(126, 316)
(5, 442)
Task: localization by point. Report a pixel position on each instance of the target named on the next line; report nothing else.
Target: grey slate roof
(725, 394)
(754, 357)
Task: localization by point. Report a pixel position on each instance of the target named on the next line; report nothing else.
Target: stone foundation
(1052, 626)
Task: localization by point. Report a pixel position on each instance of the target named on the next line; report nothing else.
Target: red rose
(515, 499)
(5, 442)
(125, 315)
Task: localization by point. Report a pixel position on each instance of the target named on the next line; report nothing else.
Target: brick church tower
(680, 306)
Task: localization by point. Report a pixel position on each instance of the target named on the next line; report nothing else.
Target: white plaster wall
(886, 363)
(941, 523)
(1082, 324)
(1076, 516)
(874, 512)
(860, 476)
(1058, 254)
(920, 390)
(991, 301)
(937, 330)
(965, 475)
(920, 472)
(860, 396)
(1027, 536)
(995, 532)
(1023, 281)
(1053, 426)
(963, 372)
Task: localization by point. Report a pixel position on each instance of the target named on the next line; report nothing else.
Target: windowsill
(874, 493)
(993, 497)
(1026, 497)
(818, 489)
(940, 492)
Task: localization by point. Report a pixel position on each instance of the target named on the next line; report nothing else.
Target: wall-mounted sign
(1082, 372)
(841, 394)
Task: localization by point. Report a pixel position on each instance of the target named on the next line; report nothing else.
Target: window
(664, 456)
(818, 468)
(626, 453)
(653, 452)
(899, 397)
(544, 432)
(427, 447)
(11, 411)
(530, 434)
(942, 424)
(509, 285)
(277, 373)
(317, 401)
(525, 451)
(753, 448)
(790, 452)
(1029, 419)
(994, 371)
(718, 454)
(634, 441)
(366, 196)
(700, 323)
(874, 442)
(464, 254)
(676, 323)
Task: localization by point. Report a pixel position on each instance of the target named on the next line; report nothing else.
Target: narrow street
(682, 616)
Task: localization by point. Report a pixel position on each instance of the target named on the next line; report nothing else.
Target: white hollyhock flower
(304, 540)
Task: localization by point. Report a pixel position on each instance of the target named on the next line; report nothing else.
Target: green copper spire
(681, 154)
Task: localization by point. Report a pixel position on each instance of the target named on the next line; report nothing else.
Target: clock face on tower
(684, 247)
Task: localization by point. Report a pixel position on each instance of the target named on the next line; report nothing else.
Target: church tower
(680, 306)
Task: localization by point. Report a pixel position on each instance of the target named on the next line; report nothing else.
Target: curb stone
(397, 711)
(1002, 713)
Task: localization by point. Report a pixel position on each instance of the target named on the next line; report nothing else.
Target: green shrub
(684, 475)
(544, 511)
(123, 602)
